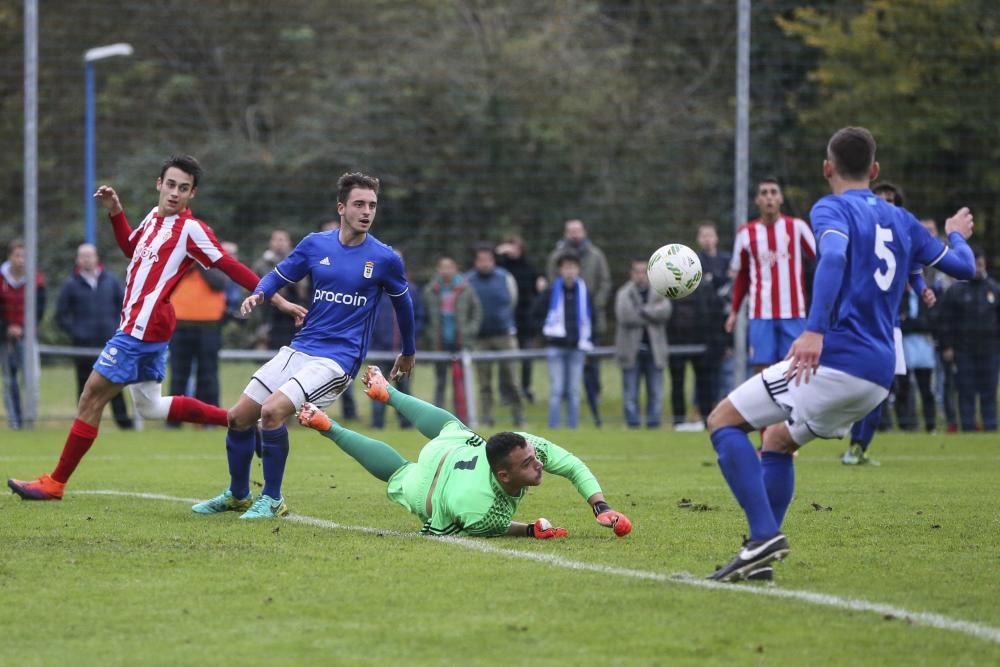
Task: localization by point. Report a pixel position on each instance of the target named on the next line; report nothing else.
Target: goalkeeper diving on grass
(462, 484)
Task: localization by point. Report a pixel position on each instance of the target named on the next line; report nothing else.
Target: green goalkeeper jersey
(454, 492)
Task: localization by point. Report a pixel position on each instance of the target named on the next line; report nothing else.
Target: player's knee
(778, 439)
(272, 415)
(722, 416)
(151, 406)
(239, 421)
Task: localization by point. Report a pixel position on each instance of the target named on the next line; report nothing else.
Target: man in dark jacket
(88, 309)
(510, 256)
(971, 323)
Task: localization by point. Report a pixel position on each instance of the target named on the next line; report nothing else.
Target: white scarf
(555, 320)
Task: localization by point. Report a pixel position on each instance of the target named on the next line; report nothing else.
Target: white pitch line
(939, 621)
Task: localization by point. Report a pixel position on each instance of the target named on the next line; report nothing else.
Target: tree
(921, 75)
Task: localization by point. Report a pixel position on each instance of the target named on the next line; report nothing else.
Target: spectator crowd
(501, 302)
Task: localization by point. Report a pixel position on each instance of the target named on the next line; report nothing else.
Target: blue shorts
(771, 339)
(127, 360)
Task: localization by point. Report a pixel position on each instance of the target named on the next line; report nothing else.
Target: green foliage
(922, 76)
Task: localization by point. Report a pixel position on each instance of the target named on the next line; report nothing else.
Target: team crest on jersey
(163, 235)
(369, 269)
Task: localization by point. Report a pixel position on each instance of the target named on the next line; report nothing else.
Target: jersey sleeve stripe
(939, 257)
(400, 294)
(283, 276)
(833, 231)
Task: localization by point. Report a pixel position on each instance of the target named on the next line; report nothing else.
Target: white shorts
(301, 377)
(897, 338)
(825, 407)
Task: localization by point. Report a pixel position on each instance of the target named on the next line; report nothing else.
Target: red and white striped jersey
(768, 262)
(163, 249)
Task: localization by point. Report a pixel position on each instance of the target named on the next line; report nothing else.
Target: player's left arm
(957, 261)
(205, 248)
(806, 238)
(398, 289)
(561, 462)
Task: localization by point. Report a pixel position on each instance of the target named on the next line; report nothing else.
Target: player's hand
(109, 199)
(947, 355)
(403, 366)
(542, 529)
(929, 297)
(804, 356)
(616, 521)
(293, 310)
(961, 222)
(730, 322)
(250, 303)
(312, 417)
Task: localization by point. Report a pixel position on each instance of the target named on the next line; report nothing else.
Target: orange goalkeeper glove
(609, 518)
(542, 529)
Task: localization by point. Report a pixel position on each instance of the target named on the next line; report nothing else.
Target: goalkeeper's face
(522, 468)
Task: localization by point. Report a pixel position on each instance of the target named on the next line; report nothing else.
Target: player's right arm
(741, 268)
(119, 223)
(833, 236)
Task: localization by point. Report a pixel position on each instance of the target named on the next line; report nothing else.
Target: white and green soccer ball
(674, 271)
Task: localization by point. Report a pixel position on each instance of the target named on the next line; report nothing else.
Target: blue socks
(275, 453)
(742, 470)
(239, 451)
(779, 480)
(863, 431)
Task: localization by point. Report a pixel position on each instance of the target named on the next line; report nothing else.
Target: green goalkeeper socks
(429, 419)
(377, 457)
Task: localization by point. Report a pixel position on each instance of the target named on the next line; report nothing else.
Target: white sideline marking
(929, 619)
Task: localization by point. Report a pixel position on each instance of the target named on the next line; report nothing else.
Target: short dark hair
(15, 244)
(767, 179)
(482, 246)
(354, 179)
(186, 163)
(852, 151)
(894, 191)
(567, 256)
(500, 445)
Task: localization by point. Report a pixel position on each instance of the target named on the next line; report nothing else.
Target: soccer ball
(674, 271)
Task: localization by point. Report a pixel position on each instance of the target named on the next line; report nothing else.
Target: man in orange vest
(200, 304)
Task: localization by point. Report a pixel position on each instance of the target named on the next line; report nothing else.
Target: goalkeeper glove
(609, 518)
(542, 529)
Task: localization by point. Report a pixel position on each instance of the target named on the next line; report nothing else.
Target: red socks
(187, 409)
(81, 437)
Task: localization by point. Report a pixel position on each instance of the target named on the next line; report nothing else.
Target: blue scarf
(555, 320)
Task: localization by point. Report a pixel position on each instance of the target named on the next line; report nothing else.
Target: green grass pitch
(123, 580)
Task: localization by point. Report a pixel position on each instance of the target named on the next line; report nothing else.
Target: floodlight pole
(90, 57)
(31, 369)
(741, 187)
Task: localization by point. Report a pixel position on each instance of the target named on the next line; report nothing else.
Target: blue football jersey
(347, 283)
(884, 241)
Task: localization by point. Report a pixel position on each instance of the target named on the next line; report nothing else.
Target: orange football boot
(43, 488)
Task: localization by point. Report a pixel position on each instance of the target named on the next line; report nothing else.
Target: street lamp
(90, 57)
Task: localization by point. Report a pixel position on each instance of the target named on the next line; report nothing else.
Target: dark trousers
(906, 401)
(704, 385)
(196, 345)
(976, 377)
(949, 391)
(378, 407)
(84, 366)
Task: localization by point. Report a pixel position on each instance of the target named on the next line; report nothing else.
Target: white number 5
(882, 237)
